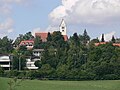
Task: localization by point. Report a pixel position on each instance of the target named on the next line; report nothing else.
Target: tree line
(75, 59)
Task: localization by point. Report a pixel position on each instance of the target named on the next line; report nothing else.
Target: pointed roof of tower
(63, 21)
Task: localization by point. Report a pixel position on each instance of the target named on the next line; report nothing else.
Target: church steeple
(63, 28)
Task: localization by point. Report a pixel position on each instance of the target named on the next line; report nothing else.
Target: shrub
(1, 71)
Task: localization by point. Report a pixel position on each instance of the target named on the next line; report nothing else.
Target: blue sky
(97, 16)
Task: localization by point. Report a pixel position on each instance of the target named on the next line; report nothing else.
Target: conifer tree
(37, 42)
(86, 37)
(49, 38)
(113, 39)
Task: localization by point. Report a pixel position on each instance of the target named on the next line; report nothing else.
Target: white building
(30, 64)
(5, 62)
(63, 27)
(37, 52)
(28, 43)
(32, 59)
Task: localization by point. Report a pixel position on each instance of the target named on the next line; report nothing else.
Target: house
(30, 64)
(5, 62)
(38, 52)
(28, 43)
(62, 29)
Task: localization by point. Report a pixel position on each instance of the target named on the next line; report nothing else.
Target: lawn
(62, 85)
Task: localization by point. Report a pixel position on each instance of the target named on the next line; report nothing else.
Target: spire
(63, 28)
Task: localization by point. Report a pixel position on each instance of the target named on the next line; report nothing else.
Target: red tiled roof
(26, 41)
(42, 35)
(116, 44)
(100, 43)
(45, 35)
(65, 37)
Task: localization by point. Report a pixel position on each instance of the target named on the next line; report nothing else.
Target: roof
(116, 44)
(37, 50)
(62, 22)
(100, 43)
(45, 35)
(65, 37)
(4, 55)
(42, 35)
(26, 41)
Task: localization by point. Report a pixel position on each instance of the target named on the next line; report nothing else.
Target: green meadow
(62, 85)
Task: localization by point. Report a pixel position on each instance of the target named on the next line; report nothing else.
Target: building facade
(63, 27)
(5, 62)
(30, 64)
(28, 43)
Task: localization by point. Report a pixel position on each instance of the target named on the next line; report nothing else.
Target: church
(62, 29)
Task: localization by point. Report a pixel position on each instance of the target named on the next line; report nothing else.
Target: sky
(96, 16)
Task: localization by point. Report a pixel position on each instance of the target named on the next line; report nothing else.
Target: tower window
(63, 27)
(62, 30)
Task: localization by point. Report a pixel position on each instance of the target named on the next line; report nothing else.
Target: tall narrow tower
(63, 28)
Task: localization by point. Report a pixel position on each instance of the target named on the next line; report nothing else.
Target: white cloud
(6, 7)
(35, 30)
(12, 1)
(6, 27)
(108, 36)
(87, 11)
(6, 24)
(51, 28)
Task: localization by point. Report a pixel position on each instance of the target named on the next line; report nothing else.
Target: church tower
(63, 28)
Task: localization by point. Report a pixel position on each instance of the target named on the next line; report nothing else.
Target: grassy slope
(63, 85)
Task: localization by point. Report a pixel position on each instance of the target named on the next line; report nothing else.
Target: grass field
(62, 85)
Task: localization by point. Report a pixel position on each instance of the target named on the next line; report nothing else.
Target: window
(62, 30)
(27, 43)
(63, 27)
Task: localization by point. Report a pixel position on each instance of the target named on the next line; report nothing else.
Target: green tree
(38, 64)
(6, 45)
(19, 61)
(14, 83)
(62, 71)
(113, 39)
(86, 37)
(75, 39)
(57, 39)
(46, 71)
(37, 42)
(49, 38)
(27, 36)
